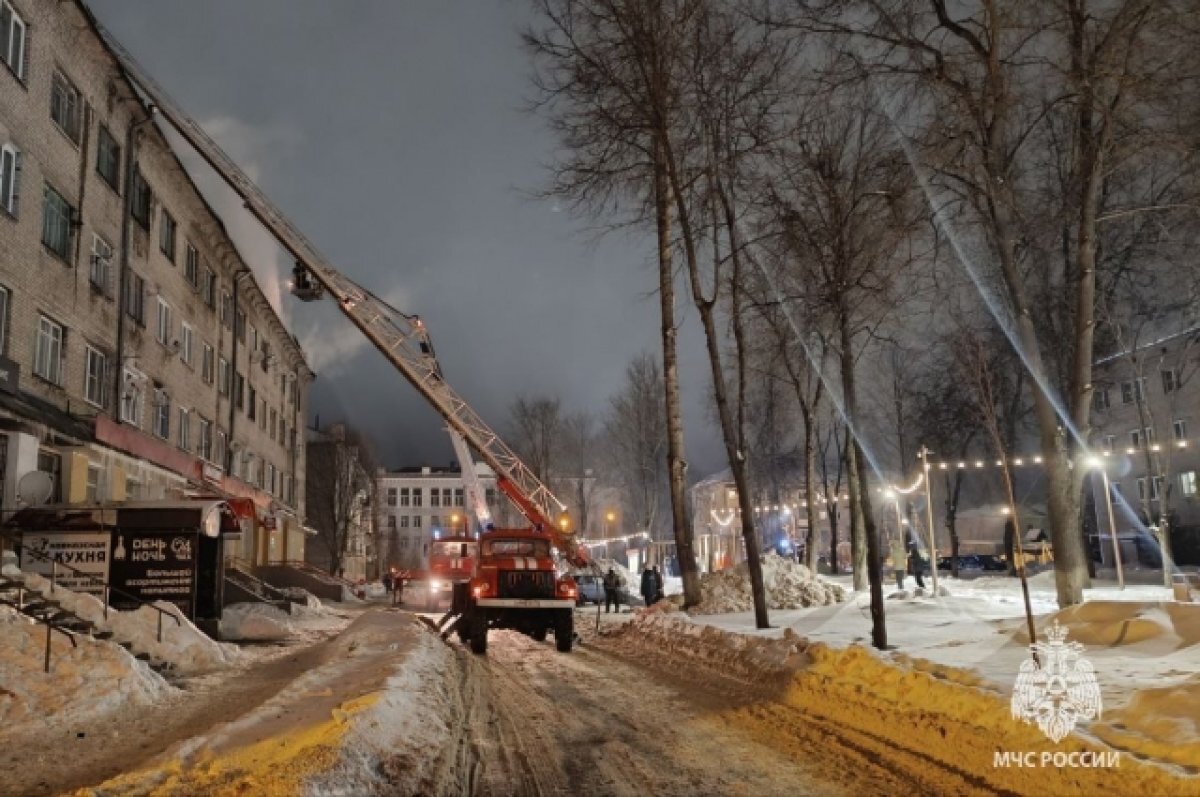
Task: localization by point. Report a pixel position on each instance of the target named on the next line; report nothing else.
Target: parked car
(993, 563)
(967, 561)
(591, 590)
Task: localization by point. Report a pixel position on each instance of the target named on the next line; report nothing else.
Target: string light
(1020, 462)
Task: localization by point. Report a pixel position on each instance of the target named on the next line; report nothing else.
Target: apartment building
(416, 505)
(1146, 410)
(139, 357)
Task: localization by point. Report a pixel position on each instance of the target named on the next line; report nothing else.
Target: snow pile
(258, 622)
(92, 678)
(375, 589)
(184, 648)
(788, 585)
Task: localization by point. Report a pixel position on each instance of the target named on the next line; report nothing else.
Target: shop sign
(86, 553)
(155, 566)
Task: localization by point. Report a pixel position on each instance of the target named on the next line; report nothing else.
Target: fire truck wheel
(479, 633)
(539, 635)
(564, 630)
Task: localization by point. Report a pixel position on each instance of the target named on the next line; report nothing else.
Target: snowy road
(597, 721)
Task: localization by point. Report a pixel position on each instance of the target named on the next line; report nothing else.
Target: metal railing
(19, 605)
(89, 578)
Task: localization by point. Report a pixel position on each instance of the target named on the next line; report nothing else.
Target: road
(600, 721)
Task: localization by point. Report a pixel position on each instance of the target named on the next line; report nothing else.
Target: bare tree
(535, 423)
(636, 433)
(608, 79)
(340, 489)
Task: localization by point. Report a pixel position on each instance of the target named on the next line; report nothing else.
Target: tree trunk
(858, 544)
(952, 495)
(810, 492)
(858, 472)
(675, 462)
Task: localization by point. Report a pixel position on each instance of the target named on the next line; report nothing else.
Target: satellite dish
(35, 487)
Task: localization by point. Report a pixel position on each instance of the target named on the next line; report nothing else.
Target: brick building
(139, 357)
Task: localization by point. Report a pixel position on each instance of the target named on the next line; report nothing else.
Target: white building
(416, 505)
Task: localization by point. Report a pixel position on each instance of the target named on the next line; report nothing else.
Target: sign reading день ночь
(155, 566)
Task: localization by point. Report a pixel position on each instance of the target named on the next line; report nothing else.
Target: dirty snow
(257, 622)
(184, 648)
(92, 678)
(788, 585)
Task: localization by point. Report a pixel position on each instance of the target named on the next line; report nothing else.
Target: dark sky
(394, 134)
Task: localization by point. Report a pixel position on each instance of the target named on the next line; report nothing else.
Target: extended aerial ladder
(400, 337)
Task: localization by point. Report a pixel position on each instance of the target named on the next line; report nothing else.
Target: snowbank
(184, 648)
(923, 711)
(788, 585)
(93, 678)
(255, 622)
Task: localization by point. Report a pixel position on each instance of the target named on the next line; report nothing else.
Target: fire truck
(515, 582)
(450, 561)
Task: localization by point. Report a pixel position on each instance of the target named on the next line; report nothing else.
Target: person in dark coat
(658, 585)
(612, 591)
(916, 562)
(648, 586)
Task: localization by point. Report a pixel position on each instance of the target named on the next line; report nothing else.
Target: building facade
(417, 505)
(139, 357)
(1146, 410)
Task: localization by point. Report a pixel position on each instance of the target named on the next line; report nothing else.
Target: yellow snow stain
(276, 766)
(924, 711)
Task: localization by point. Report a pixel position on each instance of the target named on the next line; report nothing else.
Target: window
(1100, 398)
(191, 266)
(141, 201)
(253, 339)
(108, 158)
(10, 177)
(187, 350)
(1141, 437)
(95, 378)
(391, 522)
(226, 309)
(207, 364)
(435, 522)
(262, 413)
(208, 288)
(51, 462)
(185, 428)
(166, 235)
(458, 497)
(1180, 429)
(131, 397)
(204, 445)
(48, 356)
(404, 521)
(391, 496)
(239, 389)
(162, 414)
(56, 223)
(66, 106)
(271, 485)
(1187, 484)
(1155, 485)
(133, 489)
(166, 326)
(239, 325)
(135, 298)
(416, 521)
(416, 496)
(404, 498)
(12, 39)
(93, 484)
(3, 319)
(1170, 379)
(252, 407)
(272, 425)
(100, 272)
(223, 376)
(1109, 442)
(219, 450)
(435, 497)
(1131, 391)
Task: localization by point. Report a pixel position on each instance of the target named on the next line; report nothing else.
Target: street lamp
(1095, 463)
(454, 524)
(609, 517)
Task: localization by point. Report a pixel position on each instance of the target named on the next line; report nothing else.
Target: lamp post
(927, 475)
(609, 517)
(1098, 464)
(454, 525)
